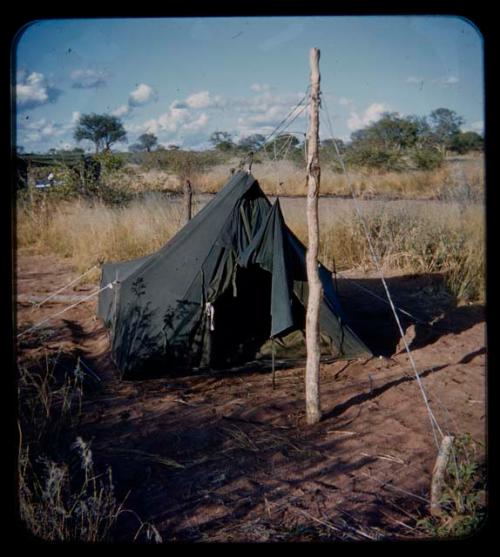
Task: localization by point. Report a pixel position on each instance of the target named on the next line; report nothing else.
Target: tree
(147, 141)
(463, 142)
(222, 141)
(390, 133)
(282, 144)
(331, 145)
(445, 124)
(135, 148)
(252, 142)
(101, 129)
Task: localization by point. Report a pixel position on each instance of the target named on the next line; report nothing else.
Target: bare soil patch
(224, 457)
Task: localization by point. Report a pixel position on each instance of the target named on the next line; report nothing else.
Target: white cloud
(413, 79)
(33, 90)
(260, 87)
(203, 99)
(89, 79)
(122, 110)
(477, 126)
(197, 124)
(188, 118)
(170, 121)
(449, 81)
(267, 110)
(141, 95)
(371, 114)
(75, 117)
(446, 81)
(36, 130)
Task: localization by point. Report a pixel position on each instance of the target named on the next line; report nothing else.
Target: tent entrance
(242, 318)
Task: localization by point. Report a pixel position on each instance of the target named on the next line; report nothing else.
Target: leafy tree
(252, 142)
(391, 132)
(147, 141)
(445, 124)
(463, 142)
(101, 129)
(282, 145)
(331, 146)
(222, 141)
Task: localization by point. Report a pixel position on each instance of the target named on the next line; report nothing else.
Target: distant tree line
(393, 142)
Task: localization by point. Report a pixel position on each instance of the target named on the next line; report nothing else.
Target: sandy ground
(225, 457)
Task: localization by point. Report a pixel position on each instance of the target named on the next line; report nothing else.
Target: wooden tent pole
(313, 407)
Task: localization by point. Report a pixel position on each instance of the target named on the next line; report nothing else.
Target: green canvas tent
(232, 279)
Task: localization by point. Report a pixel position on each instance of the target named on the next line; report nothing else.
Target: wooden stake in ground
(313, 409)
(188, 200)
(438, 474)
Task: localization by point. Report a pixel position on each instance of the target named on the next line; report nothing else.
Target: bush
(427, 159)
(376, 158)
(110, 162)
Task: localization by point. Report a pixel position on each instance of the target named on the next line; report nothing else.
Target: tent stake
(272, 358)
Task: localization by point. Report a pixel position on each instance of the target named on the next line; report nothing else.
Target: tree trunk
(188, 200)
(313, 409)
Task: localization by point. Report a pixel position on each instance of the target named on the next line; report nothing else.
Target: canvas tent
(230, 280)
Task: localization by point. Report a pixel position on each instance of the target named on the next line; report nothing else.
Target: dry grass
(87, 233)
(411, 236)
(61, 495)
(285, 177)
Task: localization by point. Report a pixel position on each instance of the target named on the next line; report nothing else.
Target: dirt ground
(225, 457)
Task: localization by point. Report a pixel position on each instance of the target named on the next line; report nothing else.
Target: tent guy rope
(57, 314)
(74, 281)
(434, 423)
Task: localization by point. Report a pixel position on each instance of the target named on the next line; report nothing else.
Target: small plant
(463, 502)
(55, 511)
(48, 403)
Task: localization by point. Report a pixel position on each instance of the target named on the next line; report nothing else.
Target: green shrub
(427, 159)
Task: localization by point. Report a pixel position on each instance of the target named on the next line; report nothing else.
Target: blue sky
(184, 78)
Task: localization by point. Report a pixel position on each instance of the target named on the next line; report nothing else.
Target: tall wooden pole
(313, 409)
(188, 201)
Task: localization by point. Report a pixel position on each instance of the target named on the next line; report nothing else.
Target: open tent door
(241, 318)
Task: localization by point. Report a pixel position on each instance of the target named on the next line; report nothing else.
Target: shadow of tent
(424, 296)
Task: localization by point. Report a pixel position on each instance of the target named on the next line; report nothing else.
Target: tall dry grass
(287, 178)
(62, 496)
(87, 233)
(409, 236)
(412, 237)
